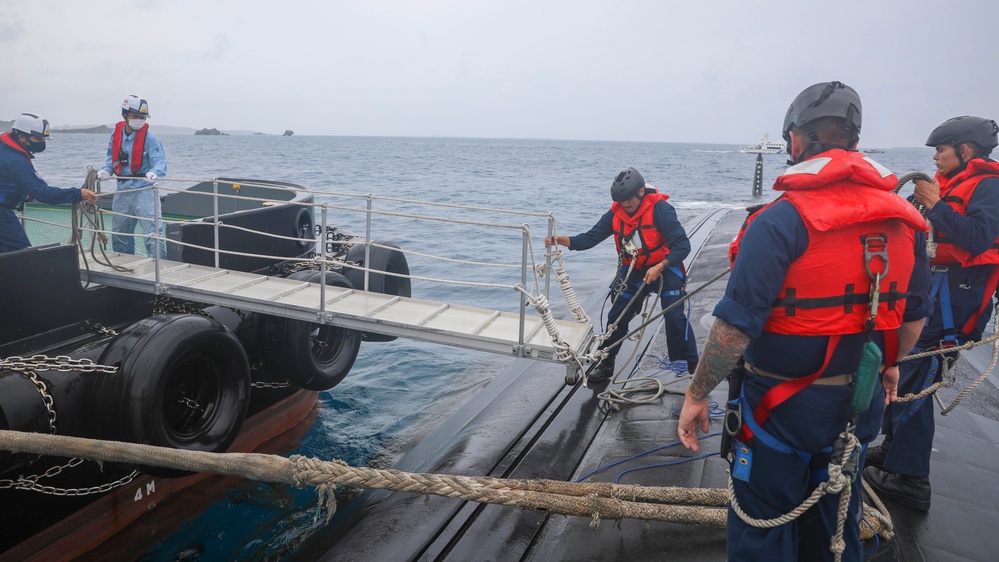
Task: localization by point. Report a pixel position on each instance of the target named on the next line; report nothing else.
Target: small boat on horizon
(765, 146)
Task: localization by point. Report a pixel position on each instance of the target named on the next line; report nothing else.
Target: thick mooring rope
(691, 506)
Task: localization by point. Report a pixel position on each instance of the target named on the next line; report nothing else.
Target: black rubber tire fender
(311, 356)
(183, 382)
(381, 259)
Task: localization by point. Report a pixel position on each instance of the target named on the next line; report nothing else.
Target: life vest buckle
(939, 268)
(875, 246)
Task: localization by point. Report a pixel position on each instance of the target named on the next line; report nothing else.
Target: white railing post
(322, 266)
(523, 283)
(548, 255)
(157, 223)
(367, 242)
(215, 203)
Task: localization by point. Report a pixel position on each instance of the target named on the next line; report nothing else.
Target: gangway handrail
(539, 276)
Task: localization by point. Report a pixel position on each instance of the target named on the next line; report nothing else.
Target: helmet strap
(815, 146)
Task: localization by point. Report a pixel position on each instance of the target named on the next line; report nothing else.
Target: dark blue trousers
(910, 425)
(12, 236)
(778, 482)
(680, 339)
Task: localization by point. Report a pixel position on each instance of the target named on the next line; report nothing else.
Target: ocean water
(398, 391)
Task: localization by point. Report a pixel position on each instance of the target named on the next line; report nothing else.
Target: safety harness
(742, 429)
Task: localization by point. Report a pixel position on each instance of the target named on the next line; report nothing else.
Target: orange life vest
(956, 192)
(652, 248)
(138, 146)
(844, 199)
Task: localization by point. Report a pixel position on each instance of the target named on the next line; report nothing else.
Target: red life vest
(653, 248)
(843, 198)
(956, 192)
(138, 146)
(8, 139)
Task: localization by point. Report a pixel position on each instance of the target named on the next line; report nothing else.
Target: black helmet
(626, 185)
(825, 99)
(978, 130)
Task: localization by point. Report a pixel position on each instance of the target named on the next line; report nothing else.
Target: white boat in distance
(766, 146)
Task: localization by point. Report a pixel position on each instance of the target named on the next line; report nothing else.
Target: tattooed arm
(724, 346)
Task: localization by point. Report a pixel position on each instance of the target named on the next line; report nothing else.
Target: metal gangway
(504, 332)
(517, 334)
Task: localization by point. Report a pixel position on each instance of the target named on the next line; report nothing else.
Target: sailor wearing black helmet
(652, 245)
(963, 206)
(19, 181)
(797, 310)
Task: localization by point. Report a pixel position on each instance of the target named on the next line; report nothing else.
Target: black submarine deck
(526, 423)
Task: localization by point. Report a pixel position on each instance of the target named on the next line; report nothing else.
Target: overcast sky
(658, 70)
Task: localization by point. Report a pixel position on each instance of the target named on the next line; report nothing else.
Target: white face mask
(136, 124)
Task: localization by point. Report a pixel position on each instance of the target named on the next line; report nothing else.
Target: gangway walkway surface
(457, 325)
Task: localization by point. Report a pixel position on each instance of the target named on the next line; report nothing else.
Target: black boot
(691, 367)
(876, 455)
(911, 491)
(602, 372)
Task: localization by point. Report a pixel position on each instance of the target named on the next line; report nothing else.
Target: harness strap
(785, 390)
(848, 299)
(990, 288)
(817, 474)
(942, 287)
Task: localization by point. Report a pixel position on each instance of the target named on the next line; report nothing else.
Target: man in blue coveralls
(798, 310)
(137, 158)
(652, 245)
(963, 204)
(19, 181)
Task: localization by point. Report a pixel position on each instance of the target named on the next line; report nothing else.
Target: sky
(711, 71)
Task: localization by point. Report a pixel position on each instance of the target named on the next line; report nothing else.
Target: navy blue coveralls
(812, 419)
(680, 339)
(910, 425)
(18, 181)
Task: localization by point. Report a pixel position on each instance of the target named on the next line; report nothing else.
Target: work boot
(910, 491)
(876, 455)
(602, 372)
(691, 367)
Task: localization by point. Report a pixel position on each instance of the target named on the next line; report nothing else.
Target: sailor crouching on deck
(651, 245)
(798, 308)
(19, 181)
(963, 203)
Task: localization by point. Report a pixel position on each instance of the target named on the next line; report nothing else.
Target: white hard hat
(135, 104)
(31, 124)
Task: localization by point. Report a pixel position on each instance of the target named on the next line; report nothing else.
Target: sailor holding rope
(652, 245)
(825, 281)
(963, 206)
(19, 182)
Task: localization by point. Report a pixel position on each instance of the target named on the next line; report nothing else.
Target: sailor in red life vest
(963, 207)
(137, 158)
(653, 245)
(19, 182)
(797, 309)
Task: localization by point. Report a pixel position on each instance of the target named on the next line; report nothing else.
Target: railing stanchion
(523, 282)
(367, 240)
(322, 266)
(157, 223)
(215, 203)
(548, 255)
